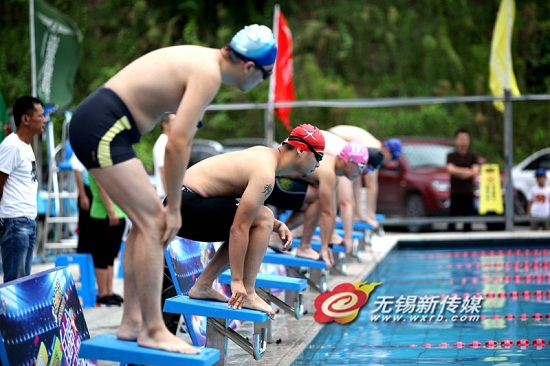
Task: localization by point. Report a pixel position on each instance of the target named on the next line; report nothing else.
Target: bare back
(333, 143)
(229, 175)
(157, 82)
(354, 133)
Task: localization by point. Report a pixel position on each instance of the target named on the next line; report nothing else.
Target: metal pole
(508, 159)
(33, 48)
(269, 128)
(37, 148)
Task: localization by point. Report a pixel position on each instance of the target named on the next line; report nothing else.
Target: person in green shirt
(107, 223)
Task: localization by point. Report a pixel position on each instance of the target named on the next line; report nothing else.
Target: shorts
(107, 241)
(288, 194)
(206, 219)
(102, 130)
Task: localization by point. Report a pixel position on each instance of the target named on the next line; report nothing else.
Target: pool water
(473, 306)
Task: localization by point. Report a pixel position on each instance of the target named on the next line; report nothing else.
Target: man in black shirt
(463, 167)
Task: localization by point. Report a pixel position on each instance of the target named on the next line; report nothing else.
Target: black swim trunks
(288, 194)
(206, 219)
(102, 130)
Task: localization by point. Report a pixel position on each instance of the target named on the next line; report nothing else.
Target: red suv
(417, 184)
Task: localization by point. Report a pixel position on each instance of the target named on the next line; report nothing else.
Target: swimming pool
(447, 306)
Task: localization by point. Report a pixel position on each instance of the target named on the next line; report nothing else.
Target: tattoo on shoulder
(268, 188)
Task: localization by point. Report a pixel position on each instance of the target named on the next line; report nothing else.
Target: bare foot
(335, 238)
(275, 242)
(164, 340)
(307, 253)
(347, 244)
(373, 223)
(253, 301)
(206, 293)
(128, 331)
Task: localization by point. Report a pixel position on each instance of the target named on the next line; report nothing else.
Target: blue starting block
(339, 254)
(355, 235)
(357, 226)
(317, 278)
(264, 283)
(362, 235)
(108, 347)
(217, 330)
(86, 287)
(316, 245)
(290, 260)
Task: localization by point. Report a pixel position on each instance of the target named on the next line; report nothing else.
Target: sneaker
(117, 298)
(106, 300)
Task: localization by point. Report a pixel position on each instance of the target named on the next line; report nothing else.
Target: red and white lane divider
(538, 344)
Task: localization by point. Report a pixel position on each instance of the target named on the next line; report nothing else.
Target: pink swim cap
(356, 152)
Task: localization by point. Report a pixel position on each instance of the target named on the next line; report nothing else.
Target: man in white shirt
(18, 189)
(158, 153)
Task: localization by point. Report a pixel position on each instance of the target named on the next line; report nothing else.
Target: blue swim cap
(395, 147)
(257, 43)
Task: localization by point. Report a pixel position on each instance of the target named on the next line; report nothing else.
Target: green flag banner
(57, 44)
(4, 116)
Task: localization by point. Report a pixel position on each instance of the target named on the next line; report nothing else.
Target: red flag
(284, 82)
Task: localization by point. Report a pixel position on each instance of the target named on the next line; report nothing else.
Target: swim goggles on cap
(265, 73)
(361, 166)
(318, 155)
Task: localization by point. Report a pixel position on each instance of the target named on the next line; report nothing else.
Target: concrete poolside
(295, 335)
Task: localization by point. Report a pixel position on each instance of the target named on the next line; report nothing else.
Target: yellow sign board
(490, 191)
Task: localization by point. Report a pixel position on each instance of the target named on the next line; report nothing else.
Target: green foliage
(342, 50)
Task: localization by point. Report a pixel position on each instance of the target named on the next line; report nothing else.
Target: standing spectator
(85, 197)
(538, 205)
(158, 152)
(18, 189)
(463, 166)
(107, 223)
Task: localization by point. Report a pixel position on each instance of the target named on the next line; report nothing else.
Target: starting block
(318, 276)
(217, 330)
(108, 347)
(362, 234)
(264, 283)
(339, 254)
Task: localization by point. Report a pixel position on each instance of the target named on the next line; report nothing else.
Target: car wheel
(414, 208)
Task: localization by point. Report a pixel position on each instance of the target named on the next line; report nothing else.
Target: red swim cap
(309, 138)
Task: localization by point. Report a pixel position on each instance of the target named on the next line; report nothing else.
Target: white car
(523, 174)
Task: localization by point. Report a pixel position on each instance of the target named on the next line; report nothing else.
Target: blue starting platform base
(217, 332)
(316, 245)
(317, 269)
(292, 261)
(357, 226)
(211, 309)
(340, 266)
(107, 347)
(271, 281)
(264, 283)
(355, 234)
